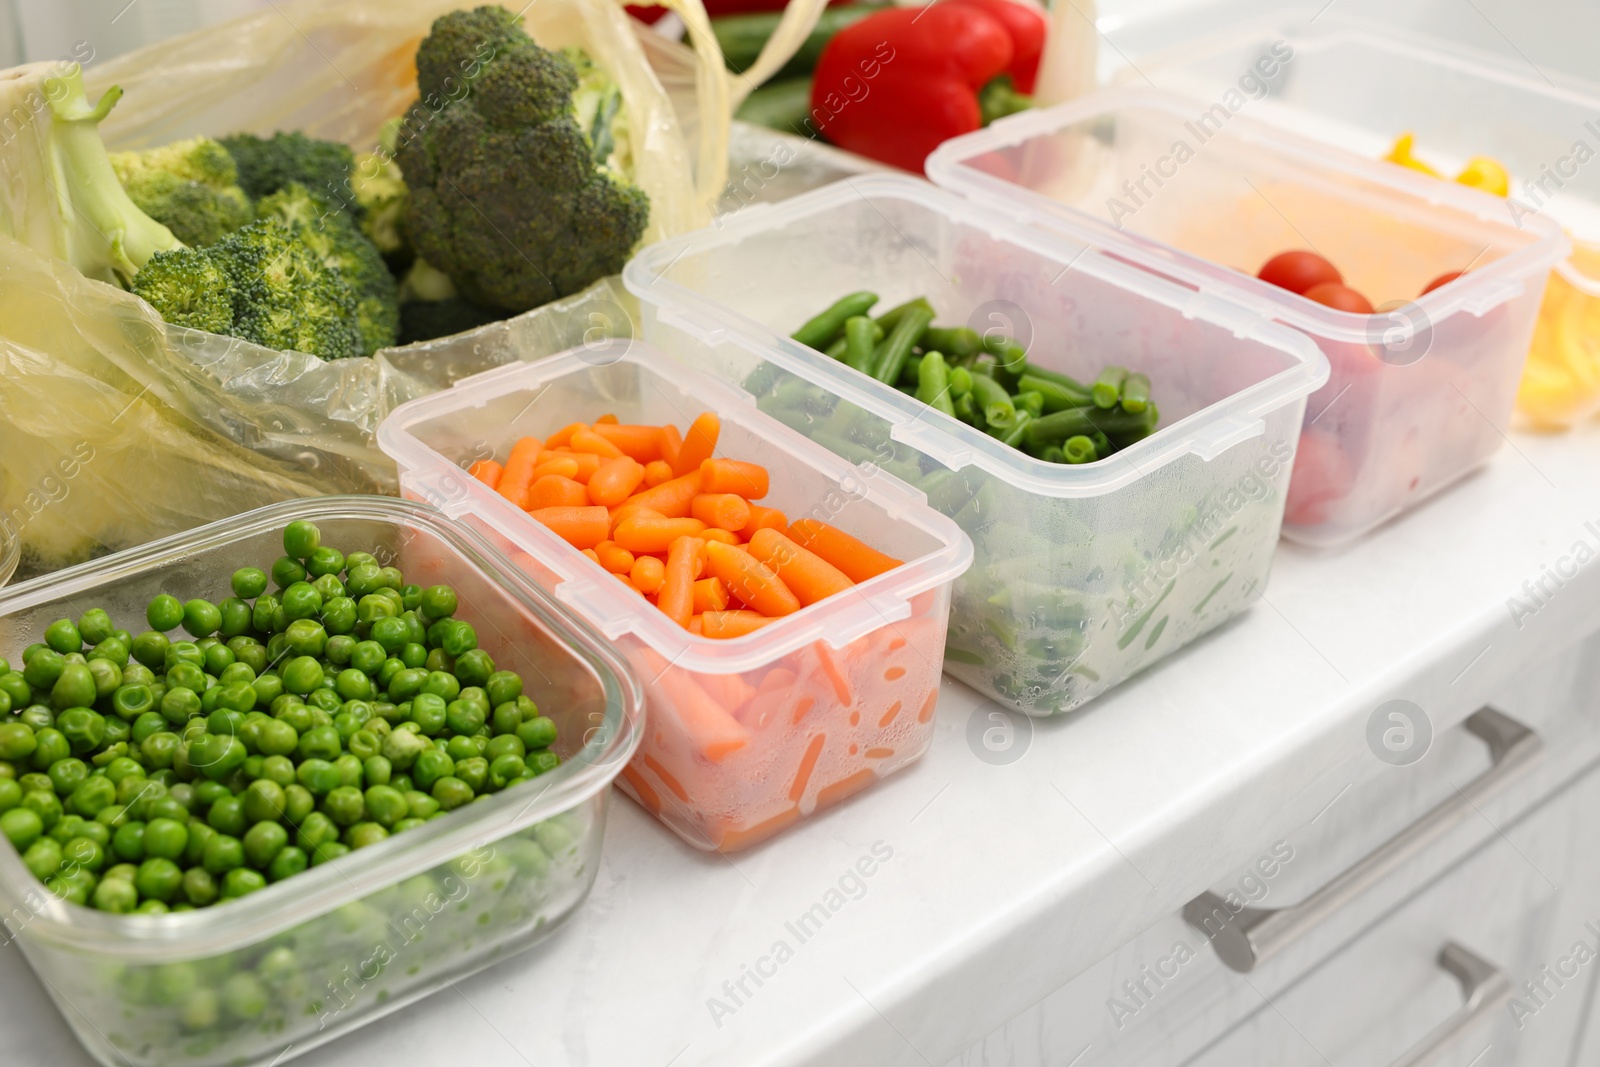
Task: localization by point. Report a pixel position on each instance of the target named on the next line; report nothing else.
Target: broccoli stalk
(106, 236)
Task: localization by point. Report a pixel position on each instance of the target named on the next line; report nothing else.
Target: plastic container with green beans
(219, 827)
(985, 381)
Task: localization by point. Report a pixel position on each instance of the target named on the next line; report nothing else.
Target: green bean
(1018, 431)
(960, 381)
(1079, 449)
(1057, 397)
(821, 329)
(933, 383)
(1065, 380)
(1084, 421)
(1031, 402)
(836, 350)
(891, 318)
(998, 410)
(956, 343)
(1135, 393)
(965, 410)
(1107, 389)
(1053, 454)
(891, 355)
(861, 336)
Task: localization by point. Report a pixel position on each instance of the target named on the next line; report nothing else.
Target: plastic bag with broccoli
(117, 427)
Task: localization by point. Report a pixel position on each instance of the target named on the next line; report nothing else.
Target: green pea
(107, 677)
(227, 816)
(43, 858)
(402, 747)
(306, 637)
(264, 801)
(368, 657)
(414, 655)
(363, 834)
(223, 853)
(263, 842)
(158, 879)
(116, 895)
(49, 745)
(451, 792)
(17, 741)
(297, 803)
(406, 684)
(318, 776)
(128, 842)
(17, 689)
(504, 770)
(505, 745)
(437, 602)
(474, 771)
(375, 606)
(159, 750)
(290, 861)
(75, 688)
(507, 719)
(325, 700)
(11, 794)
(168, 807)
(302, 675)
(267, 614)
(391, 633)
(429, 712)
(329, 588)
(219, 657)
(459, 639)
(353, 684)
(165, 838)
(93, 796)
(286, 572)
(67, 774)
(328, 852)
(21, 826)
(459, 748)
(344, 805)
(279, 770)
(430, 766)
(237, 697)
(63, 636)
(179, 705)
(301, 538)
(443, 685)
(474, 667)
(249, 582)
(320, 742)
(130, 702)
(201, 618)
(539, 732)
(217, 755)
(543, 761)
(301, 601)
(439, 660)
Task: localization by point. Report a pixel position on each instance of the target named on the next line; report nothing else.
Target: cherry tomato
(1340, 297)
(1443, 279)
(1299, 271)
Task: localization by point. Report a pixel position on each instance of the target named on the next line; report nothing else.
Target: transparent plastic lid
(10, 550)
(430, 437)
(1141, 169)
(1273, 365)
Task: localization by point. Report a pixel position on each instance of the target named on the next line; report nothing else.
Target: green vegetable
(933, 383)
(891, 356)
(742, 36)
(820, 330)
(191, 186)
(340, 244)
(1107, 388)
(99, 228)
(507, 198)
(259, 764)
(266, 165)
(861, 337)
(1135, 393)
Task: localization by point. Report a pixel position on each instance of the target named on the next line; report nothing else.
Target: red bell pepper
(1027, 26)
(899, 83)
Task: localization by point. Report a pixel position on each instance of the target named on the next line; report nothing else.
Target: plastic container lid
(1207, 432)
(10, 550)
(982, 164)
(597, 595)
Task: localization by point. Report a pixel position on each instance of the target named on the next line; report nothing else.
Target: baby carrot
(671, 442)
(563, 435)
(556, 463)
(647, 574)
(748, 480)
(726, 624)
(676, 598)
(518, 474)
(698, 443)
(587, 462)
(627, 511)
(579, 527)
(588, 441)
(614, 480)
(695, 626)
(727, 537)
(487, 471)
(859, 562)
(672, 498)
(752, 581)
(656, 472)
(763, 518)
(808, 576)
(725, 511)
(710, 595)
(642, 443)
(554, 491)
(641, 533)
(607, 419)
(592, 554)
(613, 557)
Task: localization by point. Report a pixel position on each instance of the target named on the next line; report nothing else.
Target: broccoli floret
(597, 103)
(268, 164)
(101, 231)
(277, 291)
(285, 295)
(189, 288)
(424, 320)
(191, 186)
(339, 243)
(380, 189)
(506, 195)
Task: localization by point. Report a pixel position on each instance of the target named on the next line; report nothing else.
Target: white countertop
(1002, 882)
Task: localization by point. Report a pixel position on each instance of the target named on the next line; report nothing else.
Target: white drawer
(1527, 901)
(1165, 995)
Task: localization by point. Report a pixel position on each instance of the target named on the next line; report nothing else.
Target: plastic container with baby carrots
(745, 735)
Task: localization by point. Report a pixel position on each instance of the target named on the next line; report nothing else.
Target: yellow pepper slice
(1401, 153)
(1484, 173)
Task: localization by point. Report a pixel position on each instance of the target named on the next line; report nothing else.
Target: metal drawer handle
(1485, 988)
(1244, 939)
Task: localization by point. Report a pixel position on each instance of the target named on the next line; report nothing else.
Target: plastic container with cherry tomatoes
(1420, 392)
(743, 736)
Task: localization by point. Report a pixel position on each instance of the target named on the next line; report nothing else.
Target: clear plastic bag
(117, 428)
